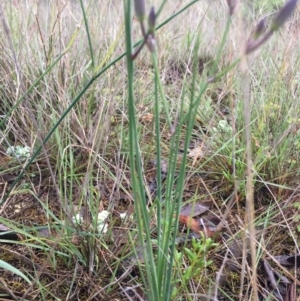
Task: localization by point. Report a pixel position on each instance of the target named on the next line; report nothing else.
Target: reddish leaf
(195, 226)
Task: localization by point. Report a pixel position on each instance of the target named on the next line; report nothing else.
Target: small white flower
(77, 218)
(123, 215)
(101, 225)
(224, 126)
(102, 228)
(102, 216)
(18, 152)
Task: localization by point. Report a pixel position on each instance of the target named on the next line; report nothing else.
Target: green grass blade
(88, 34)
(9, 267)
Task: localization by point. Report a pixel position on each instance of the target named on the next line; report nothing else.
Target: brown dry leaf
(288, 260)
(291, 293)
(195, 209)
(75, 240)
(147, 118)
(5, 159)
(196, 153)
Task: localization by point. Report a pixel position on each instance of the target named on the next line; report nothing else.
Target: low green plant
(195, 258)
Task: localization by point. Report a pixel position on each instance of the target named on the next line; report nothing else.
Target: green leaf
(9, 267)
(188, 273)
(297, 205)
(191, 255)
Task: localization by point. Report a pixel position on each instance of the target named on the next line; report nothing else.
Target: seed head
(283, 14)
(151, 20)
(140, 9)
(259, 29)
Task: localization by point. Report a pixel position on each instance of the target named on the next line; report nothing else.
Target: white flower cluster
(19, 152)
(102, 226)
(77, 219)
